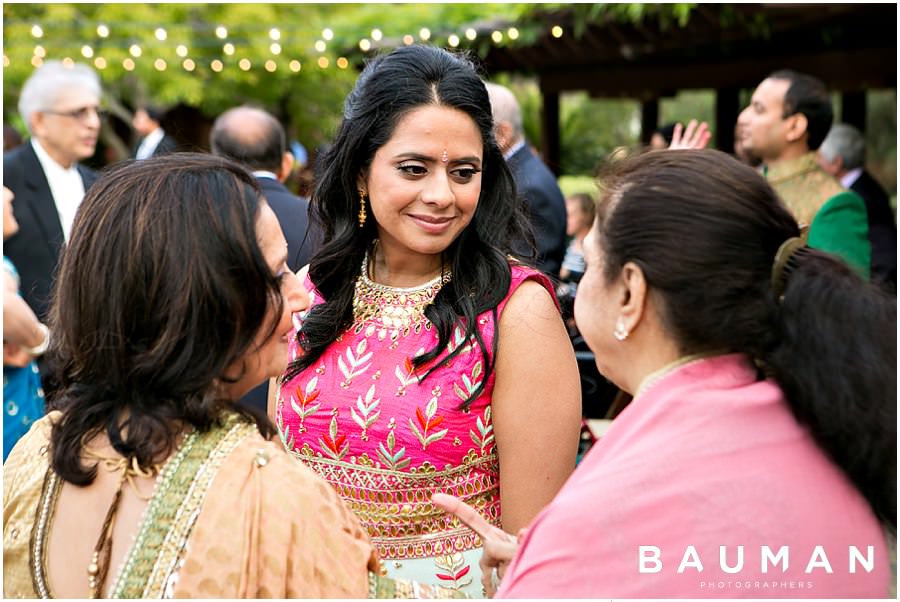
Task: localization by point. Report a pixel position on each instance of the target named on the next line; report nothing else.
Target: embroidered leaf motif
(485, 435)
(471, 384)
(334, 444)
(452, 568)
(393, 460)
(406, 375)
(355, 364)
(427, 421)
(368, 412)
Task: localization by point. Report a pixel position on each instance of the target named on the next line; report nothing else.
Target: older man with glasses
(60, 105)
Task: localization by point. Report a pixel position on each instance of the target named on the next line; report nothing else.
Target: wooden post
(853, 109)
(727, 109)
(550, 130)
(649, 119)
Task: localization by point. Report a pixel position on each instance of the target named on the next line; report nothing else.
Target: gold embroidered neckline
(393, 307)
(792, 168)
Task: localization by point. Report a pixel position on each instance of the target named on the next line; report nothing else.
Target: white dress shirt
(66, 186)
(850, 177)
(149, 144)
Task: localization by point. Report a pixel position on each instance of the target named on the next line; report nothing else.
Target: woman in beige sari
(172, 300)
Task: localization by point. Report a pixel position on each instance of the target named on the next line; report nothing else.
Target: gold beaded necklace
(395, 308)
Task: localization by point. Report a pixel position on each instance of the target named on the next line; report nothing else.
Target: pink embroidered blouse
(361, 419)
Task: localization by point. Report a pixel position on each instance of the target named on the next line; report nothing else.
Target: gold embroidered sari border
(169, 559)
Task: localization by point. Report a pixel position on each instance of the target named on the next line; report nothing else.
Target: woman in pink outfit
(431, 359)
(758, 457)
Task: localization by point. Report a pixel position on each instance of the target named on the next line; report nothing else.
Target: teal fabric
(841, 227)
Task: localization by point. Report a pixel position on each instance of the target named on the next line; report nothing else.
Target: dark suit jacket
(291, 211)
(35, 248)
(546, 205)
(882, 230)
(165, 146)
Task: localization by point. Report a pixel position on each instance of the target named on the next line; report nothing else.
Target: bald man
(535, 183)
(255, 139)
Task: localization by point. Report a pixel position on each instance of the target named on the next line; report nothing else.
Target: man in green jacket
(788, 118)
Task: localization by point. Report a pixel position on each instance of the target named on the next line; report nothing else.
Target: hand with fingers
(499, 546)
(695, 135)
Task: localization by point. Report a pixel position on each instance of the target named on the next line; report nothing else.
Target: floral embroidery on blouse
(386, 437)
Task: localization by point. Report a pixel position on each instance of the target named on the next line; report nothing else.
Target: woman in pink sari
(758, 457)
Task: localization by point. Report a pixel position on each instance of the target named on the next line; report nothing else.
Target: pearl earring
(621, 333)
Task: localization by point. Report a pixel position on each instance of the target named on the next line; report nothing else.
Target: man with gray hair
(535, 183)
(60, 105)
(255, 139)
(843, 155)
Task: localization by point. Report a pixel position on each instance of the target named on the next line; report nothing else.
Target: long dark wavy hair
(390, 87)
(161, 289)
(704, 228)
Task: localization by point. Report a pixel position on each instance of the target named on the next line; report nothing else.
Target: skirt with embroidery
(459, 571)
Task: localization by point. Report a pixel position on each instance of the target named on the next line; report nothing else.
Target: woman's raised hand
(693, 136)
(499, 546)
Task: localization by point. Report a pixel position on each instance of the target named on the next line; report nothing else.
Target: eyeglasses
(81, 114)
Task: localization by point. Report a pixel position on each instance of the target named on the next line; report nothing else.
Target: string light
(188, 65)
(343, 63)
(497, 37)
(40, 52)
(221, 32)
(68, 62)
(160, 65)
(424, 33)
(274, 34)
(102, 31)
(160, 34)
(294, 66)
(244, 64)
(128, 65)
(87, 52)
(365, 45)
(36, 61)
(100, 62)
(557, 31)
(453, 40)
(376, 35)
(271, 66)
(513, 33)
(408, 39)
(327, 34)
(323, 62)
(36, 31)
(181, 50)
(275, 48)
(471, 34)
(216, 65)
(6, 60)
(135, 50)
(228, 48)
(320, 45)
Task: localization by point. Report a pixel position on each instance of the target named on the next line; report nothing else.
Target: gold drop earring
(362, 209)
